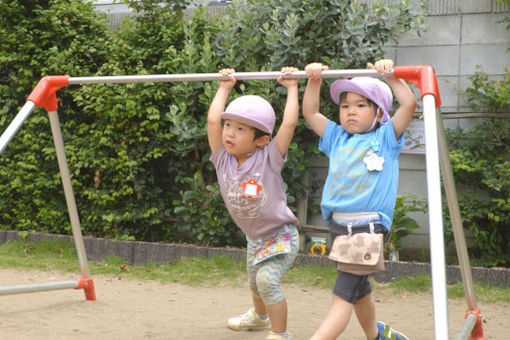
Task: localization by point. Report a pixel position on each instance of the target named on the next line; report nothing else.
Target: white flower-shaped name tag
(373, 162)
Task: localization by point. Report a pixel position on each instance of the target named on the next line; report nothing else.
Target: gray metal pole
(466, 328)
(458, 230)
(216, 76)
(16, 123)
(437, 251)
(9, 290)
(68, 191)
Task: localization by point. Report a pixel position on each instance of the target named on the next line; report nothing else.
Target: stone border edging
(137, 252)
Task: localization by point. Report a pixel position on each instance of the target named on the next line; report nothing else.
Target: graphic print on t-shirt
(241, 206)
(349, 175)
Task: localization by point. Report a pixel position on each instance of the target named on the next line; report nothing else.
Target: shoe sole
(257, 328)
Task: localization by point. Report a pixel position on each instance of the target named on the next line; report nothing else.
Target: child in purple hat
(362, 181)
(248, 164)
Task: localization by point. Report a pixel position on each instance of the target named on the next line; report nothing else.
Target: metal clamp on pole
(42, 95)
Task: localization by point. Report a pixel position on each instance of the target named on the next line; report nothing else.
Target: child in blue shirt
(362, 178)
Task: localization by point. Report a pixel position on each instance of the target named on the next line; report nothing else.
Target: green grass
(311, 276)
(61, 256)
(47, 255)
(423, 283)
(191, 271)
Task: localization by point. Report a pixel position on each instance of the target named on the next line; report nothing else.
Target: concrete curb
(136, 252)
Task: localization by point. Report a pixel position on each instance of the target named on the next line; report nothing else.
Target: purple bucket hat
(374, 89)
(251, 110)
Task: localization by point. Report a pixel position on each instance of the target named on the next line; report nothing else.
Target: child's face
(238, 139)
(357, 114)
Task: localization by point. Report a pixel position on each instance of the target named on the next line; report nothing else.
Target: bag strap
(349, 228)
(372, 228)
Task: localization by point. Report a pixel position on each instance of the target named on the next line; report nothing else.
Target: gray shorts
(351, 287)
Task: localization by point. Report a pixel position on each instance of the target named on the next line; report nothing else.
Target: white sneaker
(278, 336)
(250, 321)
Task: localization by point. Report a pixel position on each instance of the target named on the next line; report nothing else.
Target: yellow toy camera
(318, 246)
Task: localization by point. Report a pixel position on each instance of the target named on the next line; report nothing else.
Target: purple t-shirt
(259, 216)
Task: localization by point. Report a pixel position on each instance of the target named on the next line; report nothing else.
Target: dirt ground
(130, 309)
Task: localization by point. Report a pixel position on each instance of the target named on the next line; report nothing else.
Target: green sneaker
(388, 333)
(250, 321)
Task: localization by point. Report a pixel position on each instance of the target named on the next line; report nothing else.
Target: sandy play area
(130, 309)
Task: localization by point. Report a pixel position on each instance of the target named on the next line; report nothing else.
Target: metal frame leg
(15, 125)
(458, 233)
(85, 282)
(437, 250)
(453, 206)
(68, 191)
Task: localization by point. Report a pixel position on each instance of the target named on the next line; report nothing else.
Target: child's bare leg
(258, 304)
(278, 316)
(365, 312)
(277, 313)
(335, 322)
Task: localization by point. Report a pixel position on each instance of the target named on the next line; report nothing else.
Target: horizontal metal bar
(37, 287)
(460, 115)
(215, 76)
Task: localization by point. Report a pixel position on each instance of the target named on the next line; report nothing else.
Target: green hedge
(138, 153)
(41, 38)
(481, 164)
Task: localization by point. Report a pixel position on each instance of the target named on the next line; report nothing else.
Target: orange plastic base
(477, 332)
(88, 287)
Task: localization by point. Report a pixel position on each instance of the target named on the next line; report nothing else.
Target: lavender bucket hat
(374, 89)
(251, 110)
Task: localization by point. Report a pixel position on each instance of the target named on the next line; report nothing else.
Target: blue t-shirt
(350, 187)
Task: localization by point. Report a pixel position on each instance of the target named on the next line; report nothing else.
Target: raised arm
(403, 94)
(311, 99)
(291, 113)
(214, 130)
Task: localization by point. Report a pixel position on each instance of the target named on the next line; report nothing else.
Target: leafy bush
(41, 38)
(481, 164)
(344, 34)
(402, 224)
(486, 95)
(154, 153)
(138, 153)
